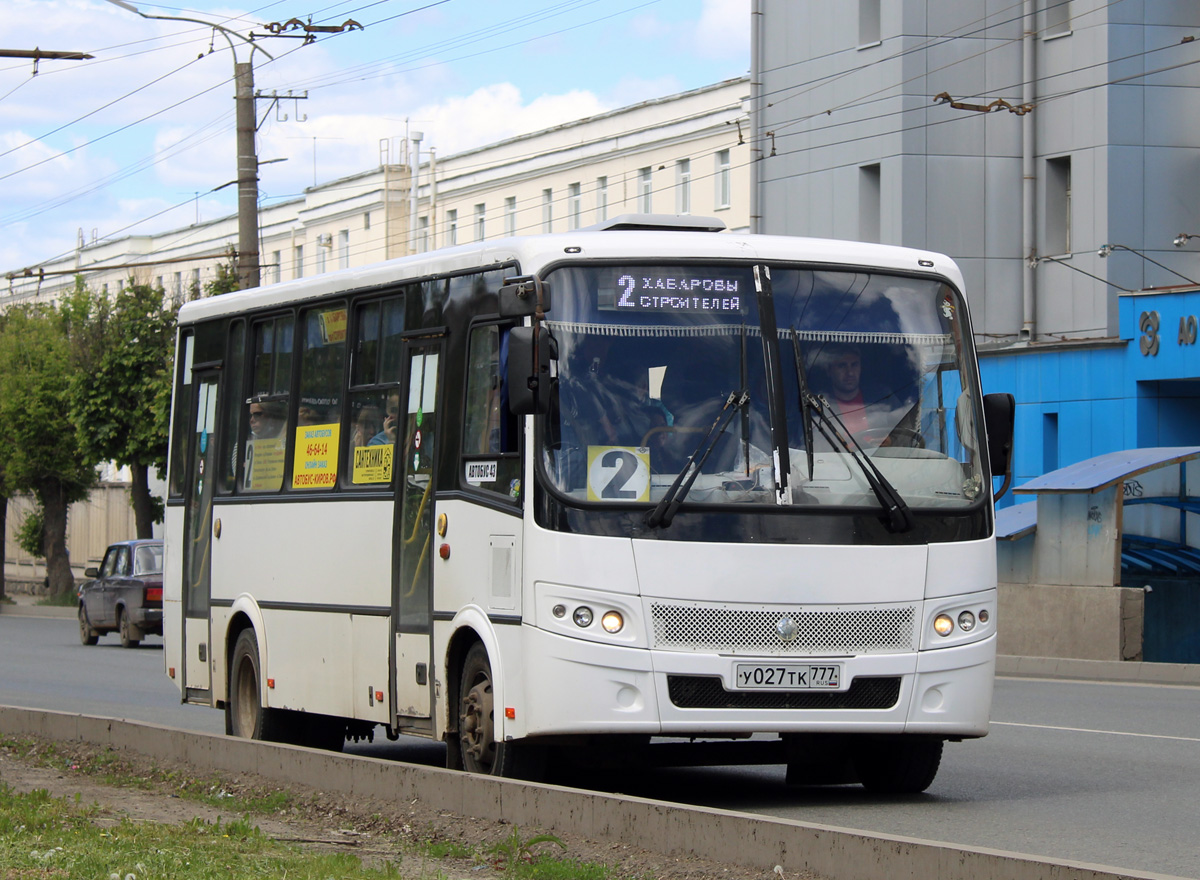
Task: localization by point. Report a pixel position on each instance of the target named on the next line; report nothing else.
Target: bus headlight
(966, 621)
(943, 625)
(612, 621)
(582, 616)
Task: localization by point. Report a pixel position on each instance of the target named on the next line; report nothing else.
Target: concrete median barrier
(722, 836)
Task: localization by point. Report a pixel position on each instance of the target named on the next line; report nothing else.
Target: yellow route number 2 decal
(618, 473)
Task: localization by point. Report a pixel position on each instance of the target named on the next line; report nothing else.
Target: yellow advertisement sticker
(373, 464)
(315, 465)
(264, 464)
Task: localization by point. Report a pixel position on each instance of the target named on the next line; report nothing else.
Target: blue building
(1051, 148)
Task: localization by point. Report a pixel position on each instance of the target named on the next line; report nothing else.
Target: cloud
(723, 29)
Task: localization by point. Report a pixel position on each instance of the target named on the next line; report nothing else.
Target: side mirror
(529, 371)
(520, 297)
(999, 417)
(91, 573)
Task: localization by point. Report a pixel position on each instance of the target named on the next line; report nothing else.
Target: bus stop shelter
(1104, 562)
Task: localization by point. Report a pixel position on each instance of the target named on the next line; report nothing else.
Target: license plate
(788, 676)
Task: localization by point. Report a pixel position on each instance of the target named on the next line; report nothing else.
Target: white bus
(649, 489)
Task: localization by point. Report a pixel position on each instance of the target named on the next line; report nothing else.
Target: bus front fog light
(966, 621)
(612, 621)
(559, 610)
(582, 616)
(984, 615)
(943, 625)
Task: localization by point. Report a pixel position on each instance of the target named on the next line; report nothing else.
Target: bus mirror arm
(523, 297)
(999, 417)
(529, 386)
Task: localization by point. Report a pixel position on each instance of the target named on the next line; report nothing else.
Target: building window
(177, 285)
(367, 220)
(344, 249)
(547, 209)
(683, 186)
(423, 234)
(723, 184)
(1058, 205)
(645, 191)
(574, 205)
(298, 261)
(276, 256)
(452, 227)
(195, 282)
(601, 199)
(869, 202)
(324, 246)
(869, 32)
(1056, 18)
(480, 224)
(510, 215)
(158, 285)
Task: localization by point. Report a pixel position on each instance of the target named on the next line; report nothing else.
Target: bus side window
(266, 441)
(374, 398)
(490, 431)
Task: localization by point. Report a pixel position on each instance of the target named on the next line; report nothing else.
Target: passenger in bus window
(367, 424)
(266, 418)
(391, 422)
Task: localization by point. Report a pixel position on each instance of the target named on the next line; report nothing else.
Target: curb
(1129, 671)
(37, 610)
(719, 835)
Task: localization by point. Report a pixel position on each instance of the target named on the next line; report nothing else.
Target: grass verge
(47, 837)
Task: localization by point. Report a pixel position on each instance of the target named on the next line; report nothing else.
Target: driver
(871, 420)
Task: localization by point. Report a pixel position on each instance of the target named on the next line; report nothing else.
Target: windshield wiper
(828, 422)
(664, 511)
(805, 406)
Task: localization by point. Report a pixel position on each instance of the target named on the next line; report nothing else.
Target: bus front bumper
(585, 687)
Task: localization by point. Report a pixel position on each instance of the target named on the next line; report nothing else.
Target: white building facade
(681, 154)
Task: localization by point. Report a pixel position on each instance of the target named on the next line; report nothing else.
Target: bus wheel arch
(474, 735)
(245, 714)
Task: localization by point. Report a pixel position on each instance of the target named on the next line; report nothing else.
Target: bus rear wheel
(477, 745)
(245, 715)
(898, 764)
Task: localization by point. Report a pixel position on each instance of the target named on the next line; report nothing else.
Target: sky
(141, 138)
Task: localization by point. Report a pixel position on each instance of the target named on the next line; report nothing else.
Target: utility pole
(247, 268)
(248, 273)
(38, 54)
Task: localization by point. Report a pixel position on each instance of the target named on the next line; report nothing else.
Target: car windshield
(658, 366)
(148, 559)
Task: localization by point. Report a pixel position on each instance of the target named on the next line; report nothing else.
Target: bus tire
(898, 764)
(478, 750)
(245, 715)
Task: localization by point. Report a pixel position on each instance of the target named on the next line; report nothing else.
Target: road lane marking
(1090, 730)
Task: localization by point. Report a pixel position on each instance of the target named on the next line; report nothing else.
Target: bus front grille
(704, 692)
(884, 629)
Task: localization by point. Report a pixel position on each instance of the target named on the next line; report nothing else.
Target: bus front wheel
(245, 715)
(477, 745)
(898, 764)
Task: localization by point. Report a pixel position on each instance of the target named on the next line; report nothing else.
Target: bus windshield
(806, 388)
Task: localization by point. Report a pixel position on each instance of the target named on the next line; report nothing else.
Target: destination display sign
(656, 291)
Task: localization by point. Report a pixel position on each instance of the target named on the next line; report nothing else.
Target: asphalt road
(1085, 771)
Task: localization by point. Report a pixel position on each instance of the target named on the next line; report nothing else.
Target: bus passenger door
(412, 600)
(197, 546)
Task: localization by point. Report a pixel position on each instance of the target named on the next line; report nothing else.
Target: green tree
(43, 454)
(121, 350)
